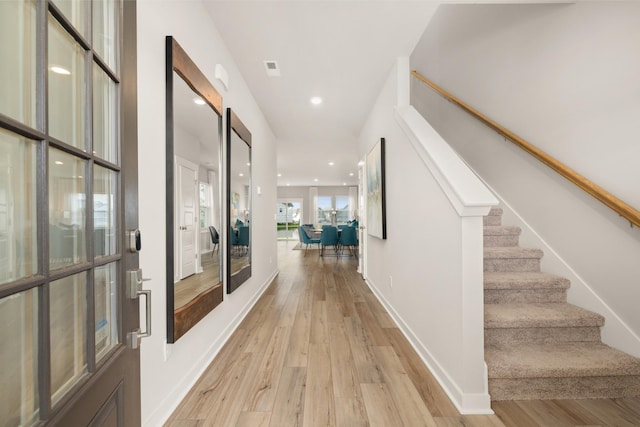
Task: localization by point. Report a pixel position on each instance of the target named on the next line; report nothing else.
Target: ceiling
(341, 51)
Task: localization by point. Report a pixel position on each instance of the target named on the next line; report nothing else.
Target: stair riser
(511, 264)
(492, 220)
(513, 336)
(564, 388)
(507, 296)
(498, 241)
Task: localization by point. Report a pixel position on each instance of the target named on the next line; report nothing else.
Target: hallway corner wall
(169, 371)
(417, 272)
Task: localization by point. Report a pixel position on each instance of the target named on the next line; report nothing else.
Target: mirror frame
(178, 323)
(234, 124)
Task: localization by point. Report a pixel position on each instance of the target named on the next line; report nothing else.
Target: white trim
(174, 397)
(466, 192)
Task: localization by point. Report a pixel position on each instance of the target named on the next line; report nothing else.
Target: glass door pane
(18, 64)
(67, 210)
(68, 318)
(104, 211)
(105, 31)
(19, 357)
(105, 116)
(67, 93)
(76, 12)
(18, 226)
(106, 314)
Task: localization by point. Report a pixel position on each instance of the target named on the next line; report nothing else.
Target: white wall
(562, 76)
(166, 379)
(565, 78)
(417, 273)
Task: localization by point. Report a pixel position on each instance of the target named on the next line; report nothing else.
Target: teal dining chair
(329, 237)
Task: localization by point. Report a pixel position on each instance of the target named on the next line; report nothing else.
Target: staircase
(537, 346)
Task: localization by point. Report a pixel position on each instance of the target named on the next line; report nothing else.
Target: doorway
(288, 216)
(68, 193)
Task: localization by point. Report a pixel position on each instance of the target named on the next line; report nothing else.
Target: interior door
(187, 180)
(68, 145)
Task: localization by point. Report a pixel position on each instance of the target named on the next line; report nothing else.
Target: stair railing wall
(582, 239)
(428, 272)
(623, 209)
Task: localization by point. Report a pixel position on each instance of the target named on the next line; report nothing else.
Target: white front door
(187, 224)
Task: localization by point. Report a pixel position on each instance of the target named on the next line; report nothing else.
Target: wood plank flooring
(318, 349)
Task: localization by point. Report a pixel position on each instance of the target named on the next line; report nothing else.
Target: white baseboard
(465, 403)
(171, 401)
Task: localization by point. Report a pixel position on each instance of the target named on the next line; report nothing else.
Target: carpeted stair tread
(537, 346)
(559, 361)
(543, 315)
(512, 253)
(524, 280)
(501, 230)
(494, 217)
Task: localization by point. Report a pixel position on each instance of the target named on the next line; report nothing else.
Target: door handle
(147, 297)
(134, 290)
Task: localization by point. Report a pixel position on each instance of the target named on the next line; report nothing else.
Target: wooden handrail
(608, 199)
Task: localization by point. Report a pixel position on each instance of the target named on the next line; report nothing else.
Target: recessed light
(60, 70)
(79, 176)
(344, 183)
(240, 174)
(351, 174)
(248, 163)
(288, 184)
(360, 163)
(199, 100)
(331, 163)
(316, 100)
(279, 175)
(58, 162)
(315, 179)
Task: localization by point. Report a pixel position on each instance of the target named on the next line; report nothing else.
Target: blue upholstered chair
(329, 237)
(349, 239)
(305, 239)
(233, 238)
(243, 238)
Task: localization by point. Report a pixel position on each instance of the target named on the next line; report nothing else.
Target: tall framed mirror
(193, 193)
(238, 202)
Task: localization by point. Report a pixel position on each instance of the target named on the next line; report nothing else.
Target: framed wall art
(376, 208)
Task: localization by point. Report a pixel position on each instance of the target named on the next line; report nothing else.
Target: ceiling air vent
(272, 68)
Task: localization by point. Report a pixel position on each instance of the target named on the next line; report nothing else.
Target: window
(334, 209)
(205, 205)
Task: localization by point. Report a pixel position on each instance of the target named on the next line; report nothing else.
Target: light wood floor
(319, 349)
(190, 287)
